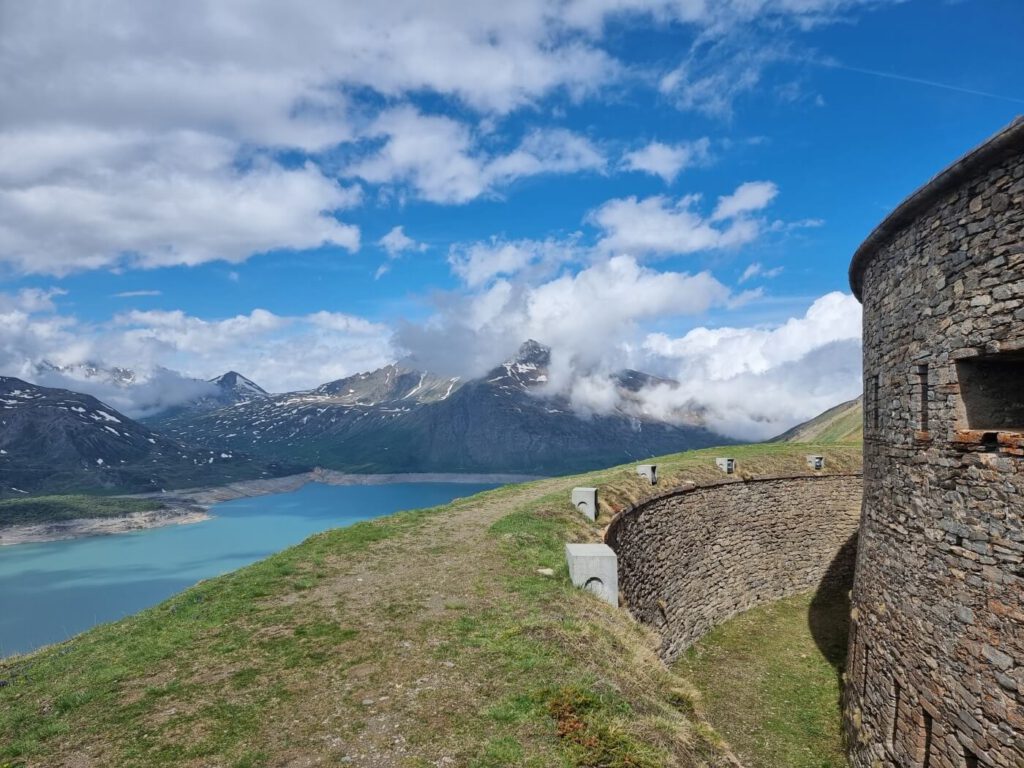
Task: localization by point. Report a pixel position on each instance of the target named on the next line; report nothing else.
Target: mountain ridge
(397, 419)
(55, 439)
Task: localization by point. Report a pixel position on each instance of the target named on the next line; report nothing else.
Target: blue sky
(234, 174)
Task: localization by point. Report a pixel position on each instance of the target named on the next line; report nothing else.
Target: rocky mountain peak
(236, 382)
(532, 352)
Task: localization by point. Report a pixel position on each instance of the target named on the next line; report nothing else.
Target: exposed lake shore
(191, 505)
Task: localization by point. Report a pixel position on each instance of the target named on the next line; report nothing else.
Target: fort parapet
(697, 555)
(935, 675)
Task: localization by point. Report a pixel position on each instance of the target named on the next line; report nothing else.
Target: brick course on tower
(935, 673)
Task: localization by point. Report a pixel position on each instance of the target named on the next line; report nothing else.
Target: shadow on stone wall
(829, 615)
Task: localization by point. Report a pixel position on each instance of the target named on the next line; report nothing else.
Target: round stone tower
(935, 673)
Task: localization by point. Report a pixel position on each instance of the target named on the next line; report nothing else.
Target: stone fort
(935, 672)
(933, 531)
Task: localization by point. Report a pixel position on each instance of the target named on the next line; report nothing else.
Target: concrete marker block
(650, 471)
(585, 501)
(727, 465)
(595, 568)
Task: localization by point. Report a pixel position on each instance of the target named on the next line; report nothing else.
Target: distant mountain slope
(56, 440)
(842, 424)
(399, 420)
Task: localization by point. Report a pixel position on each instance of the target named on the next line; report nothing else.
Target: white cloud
(396, 242)
(667, 160)
(583, 315)
(757, 382)
(156, 201)
(281, 353)
(757, 269)
(478, 263)
(661, 225)
(748, 197)
(437, 157)
(145, 135)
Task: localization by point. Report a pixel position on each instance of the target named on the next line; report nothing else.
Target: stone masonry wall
(694, 557)
(935, 677)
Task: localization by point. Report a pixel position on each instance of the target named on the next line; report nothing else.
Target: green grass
(502, 666)
(50, 509)
(770, 681)
(842, 424)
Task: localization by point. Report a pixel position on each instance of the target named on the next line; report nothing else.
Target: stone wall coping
(685, 488)
(979, 159)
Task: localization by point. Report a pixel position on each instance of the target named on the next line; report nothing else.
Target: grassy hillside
(842, 424)
(434, 637)
(51, 509)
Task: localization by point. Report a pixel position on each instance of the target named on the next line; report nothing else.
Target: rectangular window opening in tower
(926, 761)
(897, 694)
(922, 386)
(864, 672)
(992, 392)
(876, 406)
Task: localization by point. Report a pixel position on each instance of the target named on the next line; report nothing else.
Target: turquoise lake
(51, 591)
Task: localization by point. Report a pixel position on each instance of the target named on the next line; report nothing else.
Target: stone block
(594, 567)
(650, 471)
(727, 465)
(585, 501)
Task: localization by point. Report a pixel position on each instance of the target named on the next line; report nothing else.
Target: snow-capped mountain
(400, 420)
(89, 371)
(56, 440)
(234, 384)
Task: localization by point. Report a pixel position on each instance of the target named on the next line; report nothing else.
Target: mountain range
(56, 440)
(396, 419)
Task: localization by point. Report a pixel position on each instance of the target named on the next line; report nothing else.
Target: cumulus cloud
(480, 262)
(757, 382)
(748, 197)
(155, 201)
(667, 160)
(169, 350)
(156, 139)
(582, 315)
(437, 158)
(661, 225)
(396, 242)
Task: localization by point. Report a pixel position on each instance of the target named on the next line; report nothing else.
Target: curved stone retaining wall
(694, 557)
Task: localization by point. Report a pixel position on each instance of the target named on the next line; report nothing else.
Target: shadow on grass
(828, 617)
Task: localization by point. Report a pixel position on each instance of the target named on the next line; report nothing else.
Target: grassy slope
(770, 688)
(399, 642)
(842, 424)
(50, 509)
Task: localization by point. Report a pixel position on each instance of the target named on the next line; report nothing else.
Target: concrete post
(585, 501)
(650, 471)
(594, 567)
(727, 465)
(816, 462)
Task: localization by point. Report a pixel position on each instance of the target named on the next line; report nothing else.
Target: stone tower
(935, 675)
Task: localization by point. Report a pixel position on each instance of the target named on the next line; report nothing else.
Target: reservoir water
(51, 591)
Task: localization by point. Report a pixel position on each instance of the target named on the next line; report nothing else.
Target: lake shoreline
(192, 505)
(81, 527)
